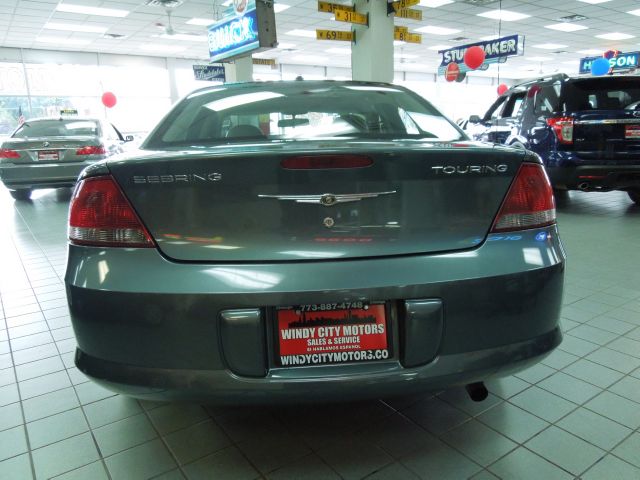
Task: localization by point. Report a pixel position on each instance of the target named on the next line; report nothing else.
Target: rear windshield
(300, 111)
(609, 93)
(56, 128)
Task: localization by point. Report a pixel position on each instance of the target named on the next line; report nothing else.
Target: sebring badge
(328, 199)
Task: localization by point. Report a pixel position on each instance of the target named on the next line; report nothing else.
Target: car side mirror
(128, 138)
(474, 119)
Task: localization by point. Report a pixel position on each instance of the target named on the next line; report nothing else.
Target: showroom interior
(572, 414)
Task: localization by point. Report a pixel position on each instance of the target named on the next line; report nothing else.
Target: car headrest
(244, 131)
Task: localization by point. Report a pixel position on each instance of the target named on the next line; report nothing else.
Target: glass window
(513, 106)
(302, 110)
(546, 100)
(57, 128)
(609, 93)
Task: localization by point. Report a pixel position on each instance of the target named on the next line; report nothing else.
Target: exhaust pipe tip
(477, 391)
(584, 186)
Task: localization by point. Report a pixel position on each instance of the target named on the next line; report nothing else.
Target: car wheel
(634, 195)
(22, 194)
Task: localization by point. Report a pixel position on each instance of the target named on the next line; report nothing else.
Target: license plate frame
(48, 155)
(330, 335)
(632, 132)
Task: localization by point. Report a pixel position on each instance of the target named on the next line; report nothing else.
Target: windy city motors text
(332, 357)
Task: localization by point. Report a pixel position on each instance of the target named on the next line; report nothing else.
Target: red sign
(327, 333)
(632, 131)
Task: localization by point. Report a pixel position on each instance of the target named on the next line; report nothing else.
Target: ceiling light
(439, 47)
(615, 36)
(434, 3)
(301, 33)
(635, 12)
(202, 22)
(591, 51)
(437, 30)
(593, 2)
(538, 59)
(185, 37)
(103, 12)
(280, 7)
(63, 41)
(309, 58)
(67, 27)
(549, 46)
(285, 46)
(339, 51)
(566, 27)
(153, 47)
(505, 15)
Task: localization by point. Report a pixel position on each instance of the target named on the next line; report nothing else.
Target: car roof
(292, 83)
(81, 119)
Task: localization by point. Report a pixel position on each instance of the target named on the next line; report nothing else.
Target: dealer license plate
(48, 155)
(632, 132)
(329, 333)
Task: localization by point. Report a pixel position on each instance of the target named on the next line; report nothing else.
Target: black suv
(586, 129)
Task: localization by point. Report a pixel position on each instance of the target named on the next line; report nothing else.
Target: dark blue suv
(586, 129)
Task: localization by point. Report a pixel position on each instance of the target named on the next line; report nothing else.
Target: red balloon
(452, 72)
(474, 57)
(502, 88)
(109, 99)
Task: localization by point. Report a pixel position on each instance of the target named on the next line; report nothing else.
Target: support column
(241, 70)
(372, 53)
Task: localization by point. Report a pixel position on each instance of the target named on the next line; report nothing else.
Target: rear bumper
(32, 176)
(157, 329)
(353, 383)
(595, 177)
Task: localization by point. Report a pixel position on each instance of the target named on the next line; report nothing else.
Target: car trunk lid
(239, 203)
(52, 149)
(608, 135)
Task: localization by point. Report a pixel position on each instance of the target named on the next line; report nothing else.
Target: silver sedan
(51, 152)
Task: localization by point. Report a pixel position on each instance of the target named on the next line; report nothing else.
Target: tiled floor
(575, 415)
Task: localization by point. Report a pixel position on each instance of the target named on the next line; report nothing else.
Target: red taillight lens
(529, 202)
(563, 128)
(310, 162)
(8, 153)
(91, 150)
(100, 215)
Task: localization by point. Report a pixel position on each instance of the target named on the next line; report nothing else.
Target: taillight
(529, 202)
(311, 162)
(8, 153)
(563, 128)
(100, 215)
(91, 150)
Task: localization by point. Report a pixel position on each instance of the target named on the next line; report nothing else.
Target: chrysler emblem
(45, 144)
(328, 199)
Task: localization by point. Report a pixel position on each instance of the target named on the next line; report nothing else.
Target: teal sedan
(311, 241)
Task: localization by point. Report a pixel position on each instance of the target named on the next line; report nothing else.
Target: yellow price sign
(402, 4)
(411, 13)
(407, 37)
(351, 17)
(329, 7)
(264, 61)
(335, 35)
(398, 28)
